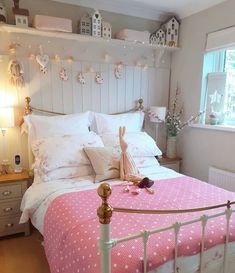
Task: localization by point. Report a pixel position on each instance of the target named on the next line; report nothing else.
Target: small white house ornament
(171, 27)
(63, 74)
(85, 25)
(98, 78)
(96, 24)
(106, 30)
(21, 15)
(81, 78)
(158, 37)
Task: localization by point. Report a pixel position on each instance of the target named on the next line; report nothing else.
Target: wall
(50, 93)
(200, 148)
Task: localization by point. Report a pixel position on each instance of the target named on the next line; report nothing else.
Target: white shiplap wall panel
(35, 84)
(95, 89)
(129, 86)
(86, 89)
(113, 107)
(67, 87)
(121, 91)
(76, 87)
(50, 93)
(56, 87)
(144, 86)
(137, 83)
(45, 86)
(104, 89)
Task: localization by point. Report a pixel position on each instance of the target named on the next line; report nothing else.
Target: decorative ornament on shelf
(118, 70)
(81, 78)
(98, 78)
(106, 30)
(158, 37)
(171, 28)
(21, 15)
(16, 73)
(85, 25)
(63, 74)
(3, 14)
(96, 24)
(42, 60)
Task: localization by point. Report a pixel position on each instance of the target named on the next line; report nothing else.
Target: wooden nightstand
(12, 188)
(171, 163)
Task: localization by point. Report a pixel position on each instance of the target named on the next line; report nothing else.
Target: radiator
(222, 179)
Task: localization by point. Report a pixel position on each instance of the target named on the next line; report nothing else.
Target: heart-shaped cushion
(42, 60)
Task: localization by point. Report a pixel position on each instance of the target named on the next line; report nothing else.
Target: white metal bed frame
(105, 211)
(106, 243)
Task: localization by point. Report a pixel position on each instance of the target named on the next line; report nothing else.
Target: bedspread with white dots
(72, 229)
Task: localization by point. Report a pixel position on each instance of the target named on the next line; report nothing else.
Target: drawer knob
(9, 225)
(6, 193)
(8, 209)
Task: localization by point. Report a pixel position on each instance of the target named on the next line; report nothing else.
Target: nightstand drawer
(10, 207)
(8, 191)
(10, 225)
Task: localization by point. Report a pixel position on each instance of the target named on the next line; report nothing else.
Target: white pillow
(43, 126)
(63, 151)
(140, 144)
(146, 162)
(110, 123)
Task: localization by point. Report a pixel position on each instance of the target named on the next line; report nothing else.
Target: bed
(186, 226)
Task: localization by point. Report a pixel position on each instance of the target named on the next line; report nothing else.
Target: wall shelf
(81, 38)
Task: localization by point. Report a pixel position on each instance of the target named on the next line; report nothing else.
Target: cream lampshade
(6, 121)
(6, 117)
(157, 114)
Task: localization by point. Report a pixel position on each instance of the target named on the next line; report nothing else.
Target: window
(218, 87)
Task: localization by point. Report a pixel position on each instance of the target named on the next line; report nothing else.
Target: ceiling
(150, 9)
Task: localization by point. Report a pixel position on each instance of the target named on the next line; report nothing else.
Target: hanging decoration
(63, 74)
(42, 60)
(118, 71)
(98, 78)
(16, 73)
(81, 78)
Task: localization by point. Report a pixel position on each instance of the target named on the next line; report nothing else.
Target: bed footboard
(106, 243)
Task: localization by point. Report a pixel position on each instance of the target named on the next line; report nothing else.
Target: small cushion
(105, 162)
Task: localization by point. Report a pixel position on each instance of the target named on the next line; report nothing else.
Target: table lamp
(157, 114)
(6, 121)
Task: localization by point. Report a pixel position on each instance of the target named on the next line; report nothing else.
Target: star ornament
(216, 97)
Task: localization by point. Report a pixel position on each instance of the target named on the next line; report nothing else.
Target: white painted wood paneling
(49, 92)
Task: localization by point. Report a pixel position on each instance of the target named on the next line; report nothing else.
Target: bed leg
(105, 246)
(104, 213)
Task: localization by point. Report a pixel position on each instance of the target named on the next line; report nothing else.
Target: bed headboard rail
(29, 109)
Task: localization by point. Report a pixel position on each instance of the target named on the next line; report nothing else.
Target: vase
(171, 151)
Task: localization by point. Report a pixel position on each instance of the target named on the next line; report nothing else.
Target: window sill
(225, 128)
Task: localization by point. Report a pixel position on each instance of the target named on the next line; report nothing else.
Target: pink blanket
(71, 228)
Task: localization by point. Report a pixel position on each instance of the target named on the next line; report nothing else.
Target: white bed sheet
(38, 197)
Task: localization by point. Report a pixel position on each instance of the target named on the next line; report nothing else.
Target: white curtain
(221, 39)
